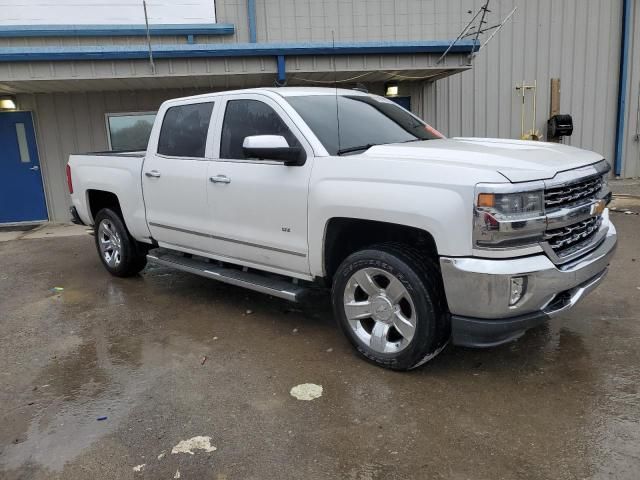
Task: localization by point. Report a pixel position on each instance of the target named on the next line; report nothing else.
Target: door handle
(153, 174)
(35, 167)
(220, 179)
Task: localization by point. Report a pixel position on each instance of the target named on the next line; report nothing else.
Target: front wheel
(389, 303)
(120, 253)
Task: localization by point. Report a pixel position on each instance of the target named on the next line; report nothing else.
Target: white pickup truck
(421, 239)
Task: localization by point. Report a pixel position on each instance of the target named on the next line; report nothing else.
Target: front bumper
(478, 292)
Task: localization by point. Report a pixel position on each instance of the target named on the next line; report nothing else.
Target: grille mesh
(567, 240)
(557, 197)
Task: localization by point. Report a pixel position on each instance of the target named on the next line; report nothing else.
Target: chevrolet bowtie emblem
(598, 207)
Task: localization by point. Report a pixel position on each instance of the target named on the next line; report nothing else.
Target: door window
(244, 118)
(21, 134)
(184, 130)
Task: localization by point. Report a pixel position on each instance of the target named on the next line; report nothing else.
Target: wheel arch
(99, 199)
(346, 235)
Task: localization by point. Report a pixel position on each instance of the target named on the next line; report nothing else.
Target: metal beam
(133, 30)
(251, 13)
(130, 52)
(622, 85)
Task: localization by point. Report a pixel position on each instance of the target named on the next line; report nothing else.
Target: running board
(263, 283)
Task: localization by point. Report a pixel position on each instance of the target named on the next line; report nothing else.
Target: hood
(517, 160)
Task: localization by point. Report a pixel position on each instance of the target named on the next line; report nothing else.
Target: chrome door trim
(231, 240)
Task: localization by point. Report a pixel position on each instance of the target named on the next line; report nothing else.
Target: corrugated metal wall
(577, 41)
(631, 148)
(315, 20)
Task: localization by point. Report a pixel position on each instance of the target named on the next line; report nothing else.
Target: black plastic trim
(75, 218)
(483, 333)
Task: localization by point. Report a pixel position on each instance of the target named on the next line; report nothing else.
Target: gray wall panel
(631, 150)
(575, 40)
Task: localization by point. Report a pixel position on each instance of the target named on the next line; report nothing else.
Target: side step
(263, 283)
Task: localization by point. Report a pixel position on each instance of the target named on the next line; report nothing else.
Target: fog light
(518, 287)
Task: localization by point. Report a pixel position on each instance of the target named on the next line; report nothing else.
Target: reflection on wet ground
(562, 402)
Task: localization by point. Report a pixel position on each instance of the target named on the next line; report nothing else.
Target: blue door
(21, 194)
(404, 102)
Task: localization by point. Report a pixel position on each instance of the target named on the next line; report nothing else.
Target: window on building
(184, 130)
(244, 118)
(129, 131)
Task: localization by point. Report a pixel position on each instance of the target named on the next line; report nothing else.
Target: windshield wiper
(356, 149)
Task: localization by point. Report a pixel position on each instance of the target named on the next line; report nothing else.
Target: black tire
(421, 278)
(132, 254)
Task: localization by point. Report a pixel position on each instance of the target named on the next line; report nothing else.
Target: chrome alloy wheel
(110, 243)
(380, 310)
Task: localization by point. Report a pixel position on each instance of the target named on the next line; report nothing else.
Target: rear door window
(244, 118)
(184, 130)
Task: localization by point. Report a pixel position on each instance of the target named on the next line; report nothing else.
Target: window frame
(278, 109)
(212, 119)
(125, 114)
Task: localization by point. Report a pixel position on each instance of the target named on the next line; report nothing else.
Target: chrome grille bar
(568, 194)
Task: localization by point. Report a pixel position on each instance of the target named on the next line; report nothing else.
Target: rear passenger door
(258, 207)
(174, 176)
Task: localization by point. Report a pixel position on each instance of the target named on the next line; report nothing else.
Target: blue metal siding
(130, 52)
(134, 30)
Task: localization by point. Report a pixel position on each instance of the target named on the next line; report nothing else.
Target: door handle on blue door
(35, 167)
(153, 174)
(220, 179)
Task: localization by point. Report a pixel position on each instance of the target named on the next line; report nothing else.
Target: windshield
(364, 120)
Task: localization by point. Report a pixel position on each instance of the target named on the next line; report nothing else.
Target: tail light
(69, 182)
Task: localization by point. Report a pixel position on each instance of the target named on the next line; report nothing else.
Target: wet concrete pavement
(563, 402)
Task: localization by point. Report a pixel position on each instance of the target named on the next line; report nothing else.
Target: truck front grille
(567, 240)
(584, 189)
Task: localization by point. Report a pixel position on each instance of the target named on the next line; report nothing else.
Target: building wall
(577, 41)
(631, 140)
(359, 20)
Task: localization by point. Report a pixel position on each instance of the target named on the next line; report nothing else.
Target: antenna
(462, 34)
(485, 9)
(335, 83)
(497, 28)
(146, 22)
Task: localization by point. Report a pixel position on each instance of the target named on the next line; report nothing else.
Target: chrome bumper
(478, 291)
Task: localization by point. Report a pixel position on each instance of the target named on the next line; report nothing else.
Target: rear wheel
(119, 252)
(389, 303)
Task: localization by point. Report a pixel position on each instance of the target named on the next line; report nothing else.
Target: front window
(364, 121)
(244, 118)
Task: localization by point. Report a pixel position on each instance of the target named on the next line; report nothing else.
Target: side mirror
(273, 147)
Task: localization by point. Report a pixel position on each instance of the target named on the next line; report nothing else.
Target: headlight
(505, 218)
(512, 205)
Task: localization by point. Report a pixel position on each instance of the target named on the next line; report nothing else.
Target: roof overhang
(128, 67)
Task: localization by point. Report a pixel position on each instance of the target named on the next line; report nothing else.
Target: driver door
(258, 208)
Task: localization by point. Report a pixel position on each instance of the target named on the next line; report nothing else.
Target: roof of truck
(282, 91)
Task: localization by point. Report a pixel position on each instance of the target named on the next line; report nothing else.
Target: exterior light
(7, 102)
(392, 90)
(518, 287)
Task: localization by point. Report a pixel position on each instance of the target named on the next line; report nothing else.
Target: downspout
(622, 85)
(251, 11)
